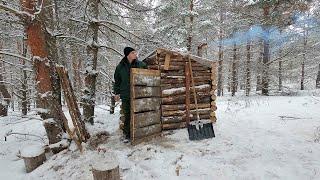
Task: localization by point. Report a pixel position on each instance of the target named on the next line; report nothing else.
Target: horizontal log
(143, 91)
(182, 90)
(198, 79)
(146, 119)
(181, 73)
(176, 119)
(183, 107)
(146, 104)
(182, 85)
(183, 112)
(175, 68)
(145, 80)
(146, 131)
(202, 97)
(181, 63)
(172, 126)
(153, 67)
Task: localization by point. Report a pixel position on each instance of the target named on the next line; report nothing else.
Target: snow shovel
(199, 129)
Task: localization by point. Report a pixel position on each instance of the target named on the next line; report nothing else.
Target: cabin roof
(201, 60)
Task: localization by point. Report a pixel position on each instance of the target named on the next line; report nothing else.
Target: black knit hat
(127, 51)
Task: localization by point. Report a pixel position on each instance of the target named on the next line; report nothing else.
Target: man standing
(122, 84)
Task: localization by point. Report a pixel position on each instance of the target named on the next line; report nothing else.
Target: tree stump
(105, 167)
(33, 157)
(109, 174)
(3, 110)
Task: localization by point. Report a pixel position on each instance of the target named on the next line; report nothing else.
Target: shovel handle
(194, 88)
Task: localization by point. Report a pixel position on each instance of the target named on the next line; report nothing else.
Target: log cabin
(160, 97)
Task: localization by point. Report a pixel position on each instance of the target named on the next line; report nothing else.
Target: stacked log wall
(173, 91)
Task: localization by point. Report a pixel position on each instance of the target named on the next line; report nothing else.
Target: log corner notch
(213, 117)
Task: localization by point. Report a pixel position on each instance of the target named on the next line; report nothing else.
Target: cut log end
(33, 157)
(108, 174)
(105, 167)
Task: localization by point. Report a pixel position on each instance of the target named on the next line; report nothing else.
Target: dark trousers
(126, 111)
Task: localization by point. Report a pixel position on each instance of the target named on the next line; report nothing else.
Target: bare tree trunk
(280, 76)
(91, 66)
(200, 49)
(25, 81)
(24, 86)
(248, 71)
(76, 67)
(4, 93)
(304, 59)
(234, 71)
(318, 79)
(189, 45)
(266, 54)
(43, 48)
(234, 63)
(280, 70)
(259, 67)
(220, 61)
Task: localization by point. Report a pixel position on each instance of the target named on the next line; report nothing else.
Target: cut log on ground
(33, 157)
(105, 167)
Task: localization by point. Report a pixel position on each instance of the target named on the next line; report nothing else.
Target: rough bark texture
(318, 79)
(220, 61)
(189, 45)
(43, 48)
(248, 71)
(234, 80)
(4, 93)
(266, 54)
(305, 41)
(91, 64)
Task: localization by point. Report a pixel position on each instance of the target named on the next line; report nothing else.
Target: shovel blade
(201, 132)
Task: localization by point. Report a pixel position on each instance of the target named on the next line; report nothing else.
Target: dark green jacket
(122, 77)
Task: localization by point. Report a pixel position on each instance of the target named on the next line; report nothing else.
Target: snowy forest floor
(257, 137)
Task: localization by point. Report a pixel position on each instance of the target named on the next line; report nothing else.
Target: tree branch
(25, 16)
(15, 55)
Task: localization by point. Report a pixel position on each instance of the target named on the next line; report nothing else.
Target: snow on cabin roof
(201, 60)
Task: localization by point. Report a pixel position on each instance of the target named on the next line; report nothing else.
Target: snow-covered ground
(256, 138)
